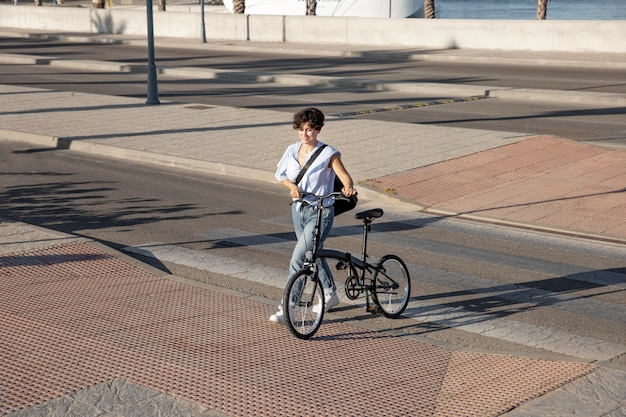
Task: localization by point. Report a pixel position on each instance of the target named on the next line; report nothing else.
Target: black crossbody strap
(308, 164)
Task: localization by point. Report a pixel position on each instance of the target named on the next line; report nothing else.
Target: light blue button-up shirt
(319, 179)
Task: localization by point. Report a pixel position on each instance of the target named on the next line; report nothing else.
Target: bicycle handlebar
(322, 197)
(317, 197)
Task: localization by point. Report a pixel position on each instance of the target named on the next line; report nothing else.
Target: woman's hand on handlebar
(348, 191)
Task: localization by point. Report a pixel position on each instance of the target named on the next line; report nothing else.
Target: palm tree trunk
(239, 6)
(162, 5)
(429, 9)
(542, 9)
(311, 7)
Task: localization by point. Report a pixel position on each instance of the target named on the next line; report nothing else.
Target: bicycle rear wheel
(303, 304)
(392, 286)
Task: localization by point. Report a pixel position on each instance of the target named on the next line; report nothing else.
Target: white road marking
(525, 334)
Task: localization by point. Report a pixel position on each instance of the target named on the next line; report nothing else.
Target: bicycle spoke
(392, 286)
(304, 307)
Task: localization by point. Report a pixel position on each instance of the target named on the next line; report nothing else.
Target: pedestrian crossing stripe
(410, 106)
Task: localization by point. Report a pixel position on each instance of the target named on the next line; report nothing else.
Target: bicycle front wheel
(392, 286)
(303, 304)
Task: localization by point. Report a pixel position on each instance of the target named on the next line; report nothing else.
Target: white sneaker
(330, 301)
(277, 318)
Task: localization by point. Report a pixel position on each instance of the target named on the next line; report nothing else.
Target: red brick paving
(73, 316)
(543, 181)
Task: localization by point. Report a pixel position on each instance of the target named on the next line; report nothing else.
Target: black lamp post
(153, 91)
(203, 31)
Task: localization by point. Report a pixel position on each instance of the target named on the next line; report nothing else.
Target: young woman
(318, 179)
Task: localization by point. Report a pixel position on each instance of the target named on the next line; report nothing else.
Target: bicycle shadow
(585, 293)
(334, 329)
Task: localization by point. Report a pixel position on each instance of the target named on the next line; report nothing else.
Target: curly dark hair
(311, 115)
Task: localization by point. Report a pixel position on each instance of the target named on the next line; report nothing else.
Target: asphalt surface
(88, 331)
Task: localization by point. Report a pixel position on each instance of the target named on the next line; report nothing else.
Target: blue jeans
(304, 219)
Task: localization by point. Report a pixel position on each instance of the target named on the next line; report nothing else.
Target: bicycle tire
(303, 304)
(391, 286)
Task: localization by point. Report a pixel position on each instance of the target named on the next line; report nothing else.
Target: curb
(34, 138)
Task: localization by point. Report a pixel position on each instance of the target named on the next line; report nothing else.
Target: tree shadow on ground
(104, 23)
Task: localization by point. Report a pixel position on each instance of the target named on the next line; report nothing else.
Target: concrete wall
(547, 35)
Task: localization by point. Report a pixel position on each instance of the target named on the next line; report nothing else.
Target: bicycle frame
(359, 268)
(387, 282)
(360, 264)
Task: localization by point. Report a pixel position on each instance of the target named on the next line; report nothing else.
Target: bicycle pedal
(373, 309)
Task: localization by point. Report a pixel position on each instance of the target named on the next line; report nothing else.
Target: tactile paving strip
(73, 317)
(546, 181)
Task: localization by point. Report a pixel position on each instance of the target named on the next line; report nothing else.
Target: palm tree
(542, 9)
(239, 6)
(311, 7)
(429, 9)
(161, 5)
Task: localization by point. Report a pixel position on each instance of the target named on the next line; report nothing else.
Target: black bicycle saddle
(370, 214)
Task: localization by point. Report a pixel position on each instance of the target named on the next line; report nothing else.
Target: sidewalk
(89, 331)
